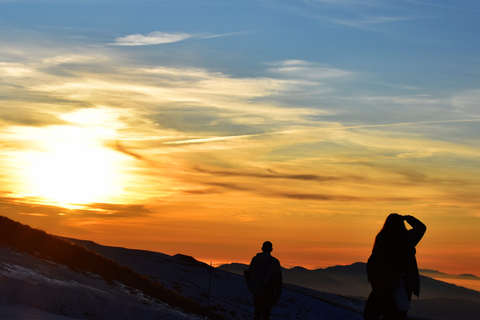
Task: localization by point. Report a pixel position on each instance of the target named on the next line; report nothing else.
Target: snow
(31, 288)
(226, 293)
(12, 312)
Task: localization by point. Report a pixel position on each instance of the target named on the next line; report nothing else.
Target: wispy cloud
(216, 139)
(467, 102)
(368, 15)
(240, 133)
(399, 124)
(435, 4)
(270, 174)
(97, 210)
(159, 37)
(369, 21)
(272, 192)
(332, 197)
(117, 145)
(151, 38)
(224, 35)
(308, 70)
(109, 210)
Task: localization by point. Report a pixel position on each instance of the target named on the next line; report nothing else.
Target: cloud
(121, 148)
(227, 127)
(332, 197)
(369, 15)
(368, 21)
(308, 70)
(152, 38)
(212, 139)
(158, 37)
(467, 102)
(15, 70)
(33, 207)
(224, 34)
(230, 186)
(399, 124)
(312, 196)
(270, 174)
(112, 210)
(26, 116)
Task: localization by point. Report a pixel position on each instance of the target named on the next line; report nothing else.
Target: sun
(73, 170)
(71, 164)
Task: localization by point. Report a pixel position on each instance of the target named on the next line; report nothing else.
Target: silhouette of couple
(391, 269)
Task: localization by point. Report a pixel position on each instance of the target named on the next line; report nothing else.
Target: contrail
(216, 139)
(225, 34)
(213, 139)
(407, 123)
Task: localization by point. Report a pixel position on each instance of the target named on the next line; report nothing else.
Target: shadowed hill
(40, 244)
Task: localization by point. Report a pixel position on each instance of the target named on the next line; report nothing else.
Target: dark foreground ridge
(58, 250)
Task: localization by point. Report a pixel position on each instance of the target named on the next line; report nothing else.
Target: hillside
(42, 263)
(226, 292)
(33, 288)
(51, 278)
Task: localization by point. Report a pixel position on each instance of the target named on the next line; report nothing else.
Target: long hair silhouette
(393, 230)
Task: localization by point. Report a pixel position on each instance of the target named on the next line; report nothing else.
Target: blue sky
(402, 42)
(312, 113)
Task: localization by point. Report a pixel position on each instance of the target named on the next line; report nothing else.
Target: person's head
(267, 247)
(394, 224)
(393, 228)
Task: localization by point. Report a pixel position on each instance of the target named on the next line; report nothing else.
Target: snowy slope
(32, 288)
(228, 293)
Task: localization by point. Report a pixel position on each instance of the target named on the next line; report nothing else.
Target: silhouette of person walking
(264, 280)
(392, 268)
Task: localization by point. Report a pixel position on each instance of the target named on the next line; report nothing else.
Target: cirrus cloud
(152, 38)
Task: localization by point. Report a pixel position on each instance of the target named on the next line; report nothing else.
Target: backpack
(258, 277)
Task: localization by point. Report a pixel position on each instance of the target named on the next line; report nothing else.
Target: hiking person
(264, 280)
(392, 268)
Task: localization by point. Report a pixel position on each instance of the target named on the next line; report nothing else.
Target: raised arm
(418, 229)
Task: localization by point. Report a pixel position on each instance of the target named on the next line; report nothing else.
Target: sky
(207, 127)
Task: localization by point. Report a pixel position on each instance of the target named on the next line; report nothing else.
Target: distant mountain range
(351, 280)
(438, 300)
(438, 274)
(51, 278)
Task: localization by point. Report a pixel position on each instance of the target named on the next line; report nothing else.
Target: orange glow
(194, 162)
(69, 165)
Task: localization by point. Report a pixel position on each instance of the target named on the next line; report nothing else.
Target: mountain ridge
(76, 257)
(352, 281)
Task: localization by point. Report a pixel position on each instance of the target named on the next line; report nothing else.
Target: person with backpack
(392, 268)
(264, 281)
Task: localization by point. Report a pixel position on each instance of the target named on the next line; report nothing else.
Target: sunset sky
(205, 127)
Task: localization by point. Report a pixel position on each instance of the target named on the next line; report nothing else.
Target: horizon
(207, 128)
(456, 279)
